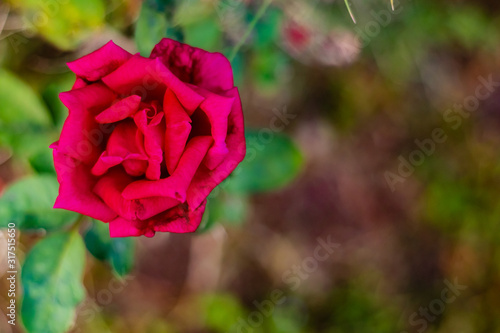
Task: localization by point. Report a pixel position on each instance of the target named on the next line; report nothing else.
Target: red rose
(147, 139)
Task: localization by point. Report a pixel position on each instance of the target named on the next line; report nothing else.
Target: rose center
(151, 112)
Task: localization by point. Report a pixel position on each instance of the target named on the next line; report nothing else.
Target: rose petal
(109, 188)
(156, 119)
(124, 145)
(104, 163)
(180, 219)
(124, 140)
(215, 155)
(135, 167)
(120, 110)
(206, 180)
(217, 109)
(153, 141)
(177, 131)
(81, 137)
(148, 207)
(121, 227)
(136, 76)
(99, 63)
(150, 78)
(211, 71)
(79, 83)
(75, 191)
(174, 186)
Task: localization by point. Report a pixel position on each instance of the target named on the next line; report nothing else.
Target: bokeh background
(380, 136)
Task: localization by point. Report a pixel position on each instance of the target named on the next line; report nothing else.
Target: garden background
(368, 200)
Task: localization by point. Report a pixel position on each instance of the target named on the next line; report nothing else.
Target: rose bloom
(147, 139)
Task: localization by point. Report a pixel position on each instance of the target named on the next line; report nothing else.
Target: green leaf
(272, 161)
(28, 203)
(19, 104)
(52, 281)
(26, 141)
(121, 255)
(119, 252)
(151, 27)
(97, 240)
(42, 162)
(24, 120)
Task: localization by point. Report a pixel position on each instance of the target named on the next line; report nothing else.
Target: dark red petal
(120, 110)
(125, 145)
(177, 130)
(154, 138)
(211, 71)
(75, 191)
(109, 188)
(180, 219)
(150, 79)
(176, 185)
(206, 180)
(217, 109)
(99, 63)
(81, 136)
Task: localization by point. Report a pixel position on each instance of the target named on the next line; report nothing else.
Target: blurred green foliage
(119, 252)
(64, 23)
(272, 161)
(219, 311)
(24, 105)
(24, 123)
(28, 203)
(151, 27)
(52, 282)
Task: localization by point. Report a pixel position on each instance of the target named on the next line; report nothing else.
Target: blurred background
(369, 199)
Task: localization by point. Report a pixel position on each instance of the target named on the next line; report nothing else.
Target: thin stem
(251, 26)
(350, 11)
